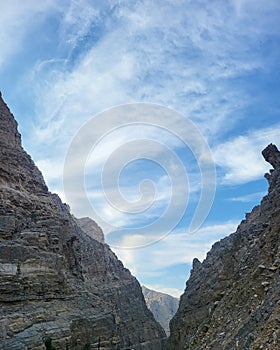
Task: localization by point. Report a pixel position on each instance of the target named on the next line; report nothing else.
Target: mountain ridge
(56, 282)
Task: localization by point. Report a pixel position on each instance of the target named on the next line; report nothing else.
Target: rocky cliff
(57, 284)
(163, 306)
(91, 228)
(232, 299)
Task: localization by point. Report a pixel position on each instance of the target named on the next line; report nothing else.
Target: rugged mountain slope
(163, 306)
(232, 299)
(91, 228)
(56, 281)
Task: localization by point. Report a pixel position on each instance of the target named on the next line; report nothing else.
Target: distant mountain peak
(162, 305)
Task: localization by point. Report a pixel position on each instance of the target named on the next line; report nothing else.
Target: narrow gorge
(62, 287)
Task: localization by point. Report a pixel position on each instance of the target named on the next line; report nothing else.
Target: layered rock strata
(56, 282)
(232, 298)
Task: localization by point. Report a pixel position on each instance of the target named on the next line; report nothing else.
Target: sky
(148, 116)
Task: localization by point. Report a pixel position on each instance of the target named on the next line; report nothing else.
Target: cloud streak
(177, 248)
(241, 159)
(16, 21)
(141, 58)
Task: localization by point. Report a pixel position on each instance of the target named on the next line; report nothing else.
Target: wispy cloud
(146, 52)
(252, 197)
(156, 53)
(240, 158)
(176, 248)
(16, 21)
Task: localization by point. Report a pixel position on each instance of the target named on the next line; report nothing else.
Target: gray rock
(232, 299)
(163, 306)
(91, 228)
(55, 280)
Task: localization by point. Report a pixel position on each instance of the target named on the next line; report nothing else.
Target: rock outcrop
(56, 282)
(163, 306)
(232, 298)
(91, 228)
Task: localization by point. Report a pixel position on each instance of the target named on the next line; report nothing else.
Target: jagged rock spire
(17, 169)
(8, 126)
(272, 155)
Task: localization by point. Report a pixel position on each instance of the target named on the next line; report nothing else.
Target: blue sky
(214, 62)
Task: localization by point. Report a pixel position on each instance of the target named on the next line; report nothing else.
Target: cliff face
(91, 228)
(163, 306)
(55, 281)
(232, 299)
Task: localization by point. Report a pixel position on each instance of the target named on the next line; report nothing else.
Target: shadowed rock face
(55, 280)
(232, 299)
(163, 306)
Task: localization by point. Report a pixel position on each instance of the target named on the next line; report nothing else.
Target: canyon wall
(56, 282)
(232, 298)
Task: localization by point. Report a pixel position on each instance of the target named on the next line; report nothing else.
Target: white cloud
(266, 14)
(120, 148)
(17, 20)
(147, 55)
(252, 197)
(176, 248)
(150, 53)
(241, 159)
(77, 21)
(51, 169)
